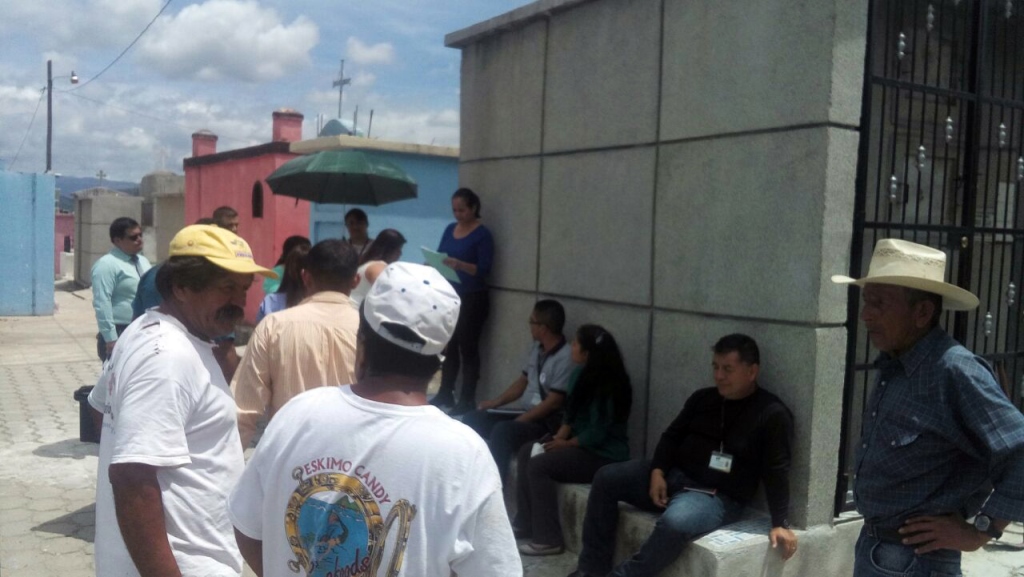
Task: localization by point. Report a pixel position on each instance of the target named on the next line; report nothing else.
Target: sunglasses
(134, 236)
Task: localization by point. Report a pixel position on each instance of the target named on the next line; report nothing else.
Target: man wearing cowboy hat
(170, 452)
(940, 442)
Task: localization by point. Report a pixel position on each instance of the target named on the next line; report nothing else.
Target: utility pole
(49, 115)
(340, 84)
(49, 111)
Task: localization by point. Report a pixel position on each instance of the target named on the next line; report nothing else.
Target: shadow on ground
(68, 448)
(78, 524)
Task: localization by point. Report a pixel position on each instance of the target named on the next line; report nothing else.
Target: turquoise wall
(26, 242)
(421, 220)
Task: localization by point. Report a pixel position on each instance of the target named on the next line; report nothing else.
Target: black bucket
(86, 430)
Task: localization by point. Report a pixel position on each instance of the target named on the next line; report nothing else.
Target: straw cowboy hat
(907, 264)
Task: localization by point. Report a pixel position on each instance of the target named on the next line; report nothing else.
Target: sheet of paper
(500, 411)
(436, 259)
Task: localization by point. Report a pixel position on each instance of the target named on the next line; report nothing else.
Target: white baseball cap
(418, 298)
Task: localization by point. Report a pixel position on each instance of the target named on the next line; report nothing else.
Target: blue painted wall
(26, 241)
(421, 220)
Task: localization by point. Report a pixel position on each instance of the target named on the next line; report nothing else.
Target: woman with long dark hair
(470, 249)
(383, 250)
(291, 291)
(592, 435)
(270, 285)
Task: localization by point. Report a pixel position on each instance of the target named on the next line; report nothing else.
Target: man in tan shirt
(312, 344)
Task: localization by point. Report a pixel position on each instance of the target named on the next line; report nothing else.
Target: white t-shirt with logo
(342, 485)
(166, 404)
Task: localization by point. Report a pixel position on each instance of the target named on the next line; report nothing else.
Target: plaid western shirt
(938, 436)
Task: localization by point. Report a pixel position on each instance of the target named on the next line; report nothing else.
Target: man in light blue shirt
(115, 278)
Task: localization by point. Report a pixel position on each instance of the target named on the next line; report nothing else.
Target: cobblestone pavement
(48, 477)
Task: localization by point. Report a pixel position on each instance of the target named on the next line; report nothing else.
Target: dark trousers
(483, 422)
(101, 345)
(537, 487)
(507, 437)
(689, 515)
(464, 347)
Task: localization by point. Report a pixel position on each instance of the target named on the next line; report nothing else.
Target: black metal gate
(941, 163)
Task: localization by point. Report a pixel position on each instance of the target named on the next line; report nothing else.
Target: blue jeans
(688, 516)
(874, 558)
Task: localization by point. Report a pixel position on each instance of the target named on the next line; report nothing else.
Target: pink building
(236, 178)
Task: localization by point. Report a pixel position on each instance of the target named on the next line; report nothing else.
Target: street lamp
(49, 109)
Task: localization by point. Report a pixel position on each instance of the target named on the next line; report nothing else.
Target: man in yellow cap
(170, 452)
(940, 442)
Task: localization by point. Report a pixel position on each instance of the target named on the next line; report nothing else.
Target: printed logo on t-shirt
(334, 525)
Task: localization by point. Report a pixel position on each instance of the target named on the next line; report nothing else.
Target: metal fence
(941, 163)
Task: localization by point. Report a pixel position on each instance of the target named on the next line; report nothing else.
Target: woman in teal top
(592, 435)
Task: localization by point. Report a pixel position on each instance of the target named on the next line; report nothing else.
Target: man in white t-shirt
(370, 479)
(170, 452)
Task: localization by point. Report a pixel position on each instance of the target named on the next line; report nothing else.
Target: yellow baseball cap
(219, 246)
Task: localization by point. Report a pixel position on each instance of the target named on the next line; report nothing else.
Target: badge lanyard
(720, 460)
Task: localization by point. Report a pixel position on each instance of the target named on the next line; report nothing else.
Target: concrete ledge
(740, 549)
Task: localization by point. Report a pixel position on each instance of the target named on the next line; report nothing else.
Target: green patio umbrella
(342, 177)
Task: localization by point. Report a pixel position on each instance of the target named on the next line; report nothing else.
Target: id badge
(721, 462)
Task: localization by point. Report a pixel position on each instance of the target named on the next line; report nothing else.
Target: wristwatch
(983, 523)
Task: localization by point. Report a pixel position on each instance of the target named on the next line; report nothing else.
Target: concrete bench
(741, 549)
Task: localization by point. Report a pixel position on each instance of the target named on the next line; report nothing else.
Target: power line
(16, 154)
(123, 52)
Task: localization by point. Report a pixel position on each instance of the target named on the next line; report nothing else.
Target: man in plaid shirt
(940, 441)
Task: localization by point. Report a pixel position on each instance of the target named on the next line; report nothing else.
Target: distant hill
(69, 185)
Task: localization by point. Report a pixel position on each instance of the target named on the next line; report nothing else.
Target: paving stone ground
(48, 477)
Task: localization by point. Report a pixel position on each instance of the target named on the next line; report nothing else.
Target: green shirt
(595, 431)
(115, 278)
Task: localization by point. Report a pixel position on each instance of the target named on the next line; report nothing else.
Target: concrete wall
(63, 226)
(94, 213)
(26, 235)
(675, 170)
(166, 191)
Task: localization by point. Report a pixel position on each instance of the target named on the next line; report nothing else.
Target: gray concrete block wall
(596, 216)
(761, 210)
(510, 202)
(502, 94)
(724, 206)
(169, 218)
(769, 65)
(505, 342)
(595, 95)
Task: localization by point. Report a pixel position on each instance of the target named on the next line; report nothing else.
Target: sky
(224, 66)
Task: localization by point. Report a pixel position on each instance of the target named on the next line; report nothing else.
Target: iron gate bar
(979, 87)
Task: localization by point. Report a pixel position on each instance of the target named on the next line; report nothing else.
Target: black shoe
(443, 399)
(462, 408)
(579, 573)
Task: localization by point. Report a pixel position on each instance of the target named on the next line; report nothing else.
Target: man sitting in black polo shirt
(706, 467)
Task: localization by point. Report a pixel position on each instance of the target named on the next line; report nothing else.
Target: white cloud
(438, 127)
(228, 39)
(364, 80)
(360, 53)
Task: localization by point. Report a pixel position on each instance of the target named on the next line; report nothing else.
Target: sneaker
(537, 550)
(521, 533)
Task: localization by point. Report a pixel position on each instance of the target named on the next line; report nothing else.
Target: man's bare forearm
(140, 516)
